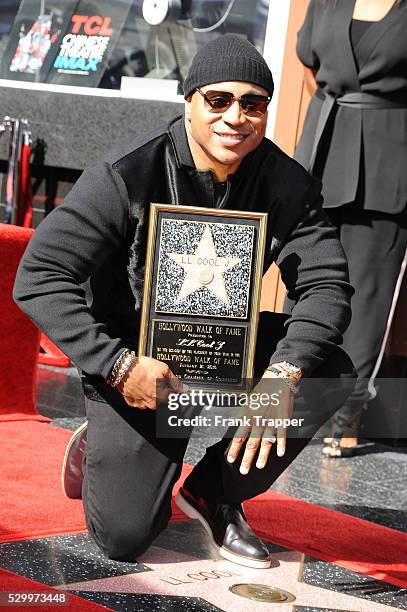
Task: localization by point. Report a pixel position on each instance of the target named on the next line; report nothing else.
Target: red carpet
(33, 505)
(19, 338)
(31, 456)
(51, 354)
(11, 583)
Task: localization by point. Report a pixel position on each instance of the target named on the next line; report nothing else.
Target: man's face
(222, 140)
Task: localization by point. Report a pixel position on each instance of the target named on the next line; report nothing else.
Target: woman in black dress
(355, 139)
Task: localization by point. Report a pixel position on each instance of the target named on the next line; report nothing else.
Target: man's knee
(124, 540)
(123, 544)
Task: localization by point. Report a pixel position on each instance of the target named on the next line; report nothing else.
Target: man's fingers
(149, 384)
(237, 443)
(267, 442)
(163, 393)
(176, 384)
(281, 441)
(164, 387)
(135, 403)
(252, 444)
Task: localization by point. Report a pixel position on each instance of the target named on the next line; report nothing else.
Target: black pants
(374, 244)
(130, 473)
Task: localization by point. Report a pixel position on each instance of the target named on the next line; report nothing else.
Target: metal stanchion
(17, 129)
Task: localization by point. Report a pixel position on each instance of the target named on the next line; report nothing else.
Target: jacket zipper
(226, 196)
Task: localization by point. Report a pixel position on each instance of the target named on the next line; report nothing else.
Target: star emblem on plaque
(204, 269)
(202, 292)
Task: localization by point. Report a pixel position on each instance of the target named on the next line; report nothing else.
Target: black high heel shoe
(344, 441)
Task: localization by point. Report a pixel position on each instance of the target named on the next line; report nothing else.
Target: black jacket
(100, 232)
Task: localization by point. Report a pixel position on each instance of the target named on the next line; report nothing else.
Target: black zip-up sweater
(99, 234)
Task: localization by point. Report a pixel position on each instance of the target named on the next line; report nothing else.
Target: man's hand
(264, 437)
(148, 383)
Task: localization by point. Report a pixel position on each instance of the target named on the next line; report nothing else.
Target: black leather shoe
(227, 526)
(72, 471)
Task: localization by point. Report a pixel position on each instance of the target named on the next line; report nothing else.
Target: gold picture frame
(201, 294)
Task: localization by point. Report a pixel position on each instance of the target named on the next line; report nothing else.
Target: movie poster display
(60, 42)
(94, 43)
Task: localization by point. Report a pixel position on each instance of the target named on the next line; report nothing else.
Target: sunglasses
(251, 104)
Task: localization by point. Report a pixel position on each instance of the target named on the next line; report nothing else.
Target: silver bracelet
(284, 379)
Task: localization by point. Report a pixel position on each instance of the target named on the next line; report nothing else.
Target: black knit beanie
(228, 58)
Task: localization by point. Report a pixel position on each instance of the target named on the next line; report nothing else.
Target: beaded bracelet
(116, 366)
(126, 359)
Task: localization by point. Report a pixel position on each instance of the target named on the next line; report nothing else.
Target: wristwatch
(291, 370)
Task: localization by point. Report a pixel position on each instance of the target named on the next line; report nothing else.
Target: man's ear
(188, 108)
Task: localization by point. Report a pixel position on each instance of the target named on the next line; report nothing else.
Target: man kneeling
(215, 155)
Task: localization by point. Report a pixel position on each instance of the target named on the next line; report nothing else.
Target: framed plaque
(201, 296)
